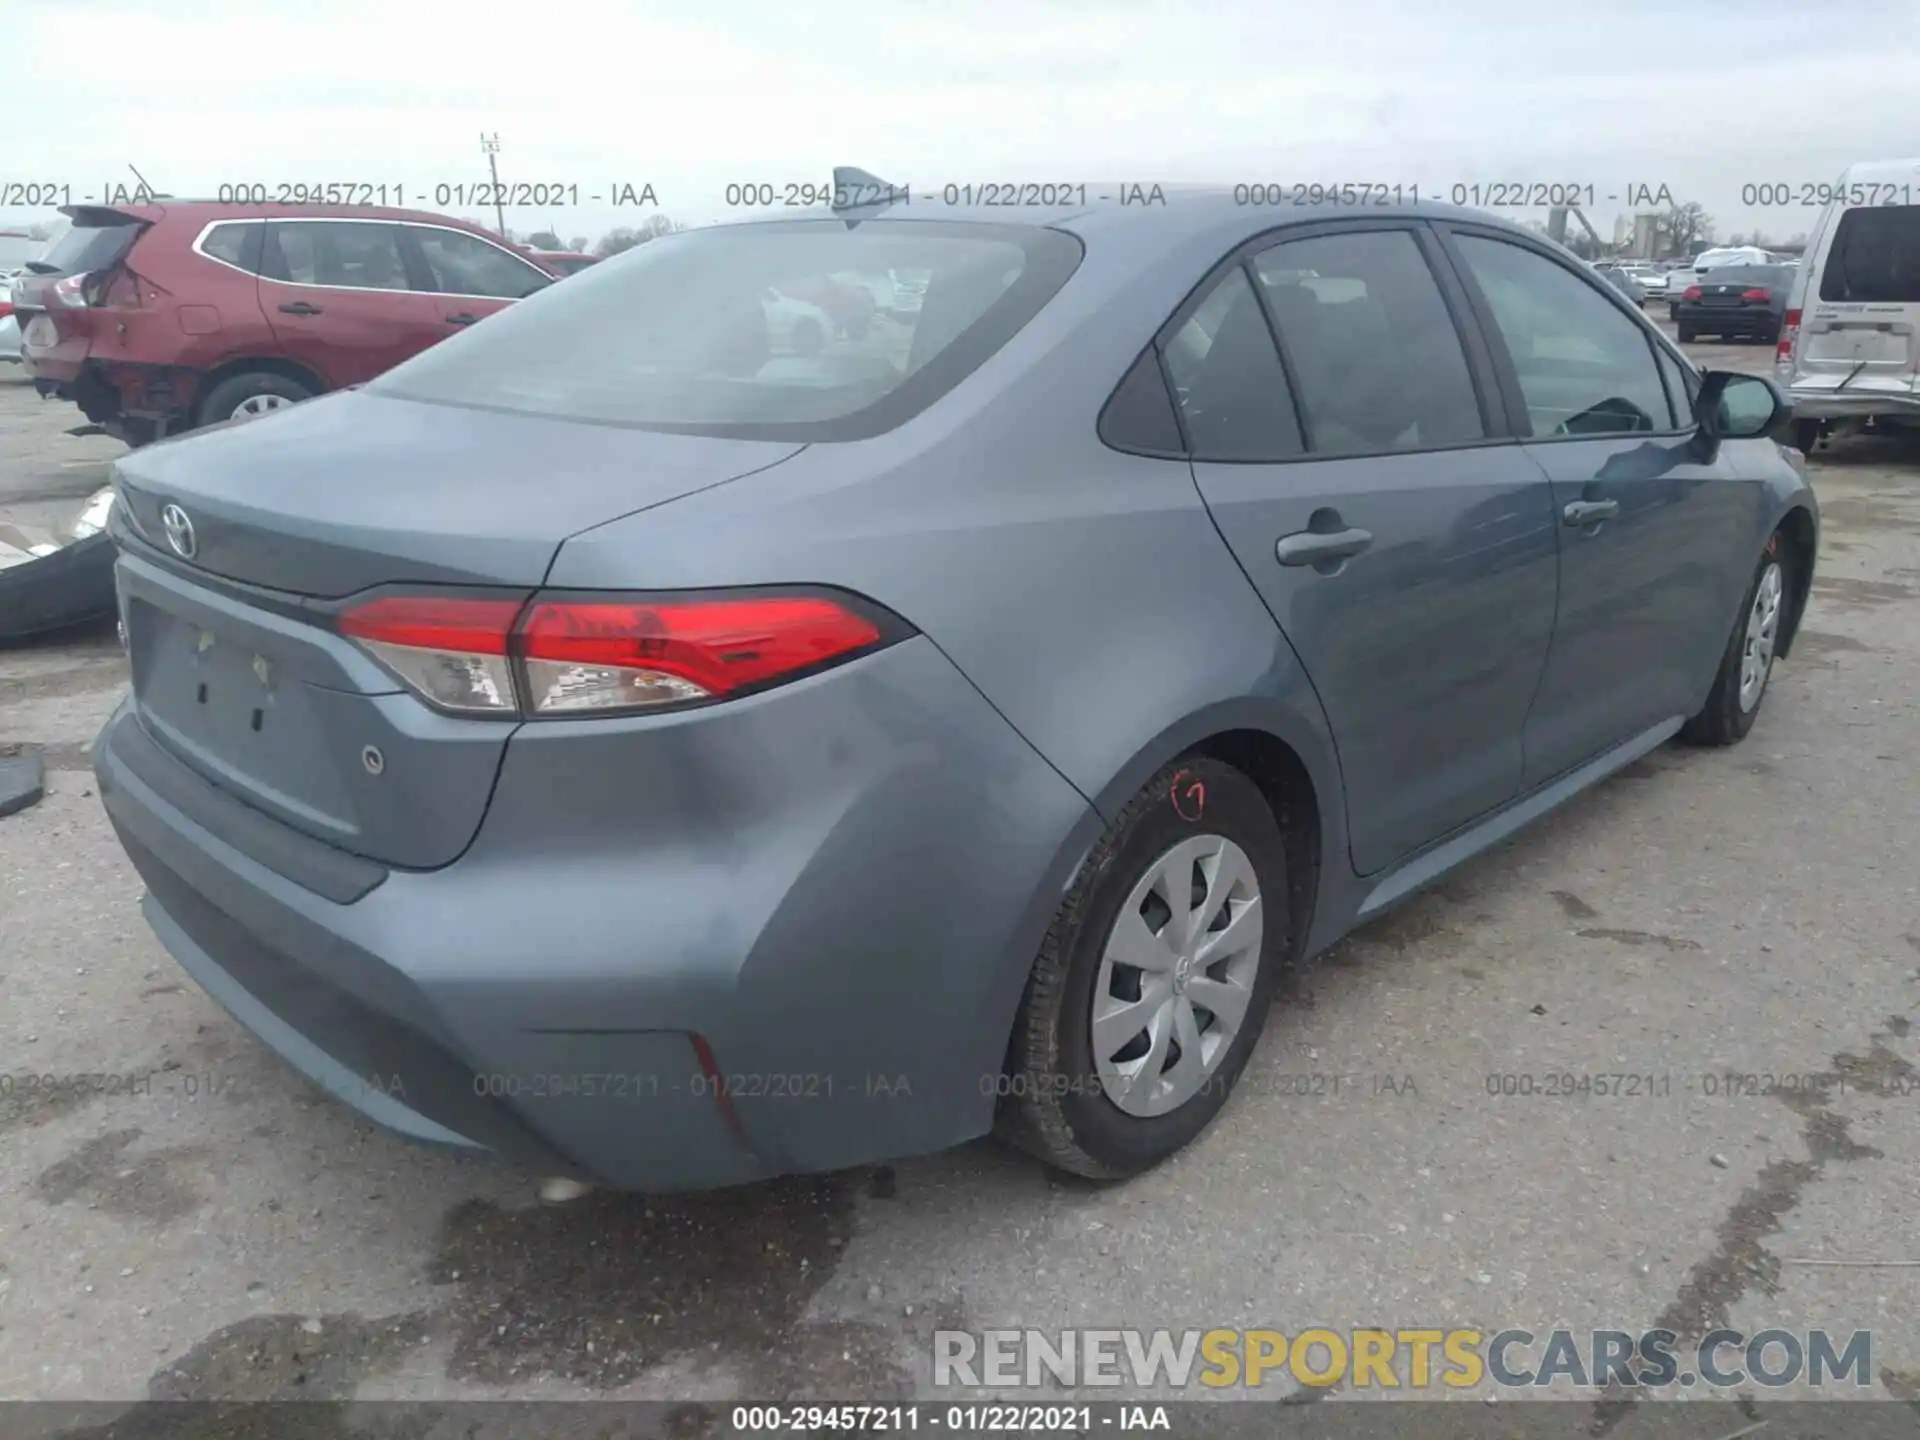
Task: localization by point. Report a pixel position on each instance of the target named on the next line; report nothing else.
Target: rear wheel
(1747, 663)
(1687, 334)
(1806, 435)
(1152, 986)
(250, 395)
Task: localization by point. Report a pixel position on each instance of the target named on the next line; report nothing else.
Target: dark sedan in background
(1735, 302)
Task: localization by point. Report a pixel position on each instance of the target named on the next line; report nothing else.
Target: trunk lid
(243, 678)
(355, 490)
(95, 246)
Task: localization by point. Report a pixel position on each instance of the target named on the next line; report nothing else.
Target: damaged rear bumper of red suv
(131, 401)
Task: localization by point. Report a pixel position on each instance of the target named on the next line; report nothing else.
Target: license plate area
(232, 712)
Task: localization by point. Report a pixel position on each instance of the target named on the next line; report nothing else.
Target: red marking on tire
(1189, 797)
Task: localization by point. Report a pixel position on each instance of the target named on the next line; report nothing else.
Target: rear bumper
(680, 954)
(1825, 403)
(1724, 322)
(114, 391)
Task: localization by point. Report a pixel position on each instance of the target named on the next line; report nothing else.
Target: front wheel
(1746, 665)
(1152, 986)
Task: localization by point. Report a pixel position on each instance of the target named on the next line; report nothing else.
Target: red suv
(563, 262)
(163, 317)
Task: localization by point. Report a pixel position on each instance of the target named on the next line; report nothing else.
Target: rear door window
(463, 264)
(743, 330)
(235, 245)
(1374, 354)
(1228, 380)
(1875, 257)
(343, 254)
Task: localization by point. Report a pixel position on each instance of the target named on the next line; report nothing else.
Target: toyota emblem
(179, 531)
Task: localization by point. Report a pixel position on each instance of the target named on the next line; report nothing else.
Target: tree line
(623, 237)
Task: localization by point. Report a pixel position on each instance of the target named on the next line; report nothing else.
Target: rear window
(88, 245)
(1767, 276)
(1875, 256)
(238, 245)
(760, 331)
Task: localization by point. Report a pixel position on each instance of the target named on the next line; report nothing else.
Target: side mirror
(1736, 406)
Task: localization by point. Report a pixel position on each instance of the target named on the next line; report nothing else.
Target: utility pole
(491, 145)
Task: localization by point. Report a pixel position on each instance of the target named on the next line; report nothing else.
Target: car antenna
(152, 193)
(859, 195)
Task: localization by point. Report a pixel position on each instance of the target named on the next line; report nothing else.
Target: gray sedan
(1625, 281)
(673, 762)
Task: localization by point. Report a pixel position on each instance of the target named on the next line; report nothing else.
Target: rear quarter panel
(1085, 593)
(182, 308)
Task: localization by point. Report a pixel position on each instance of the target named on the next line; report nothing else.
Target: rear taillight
(452, 651)
(1756, 295)
(570, 654)
(71, 291)
(1789, 338)
(1692, 292)
(6, 308)
(592, 654)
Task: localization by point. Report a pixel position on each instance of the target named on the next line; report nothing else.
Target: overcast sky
(1700, 96)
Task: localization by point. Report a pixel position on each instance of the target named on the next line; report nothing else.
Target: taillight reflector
(1756, 295)
(564, 654)
(1789, 337)
(6, 308)
(71, 291)
(1692, 292)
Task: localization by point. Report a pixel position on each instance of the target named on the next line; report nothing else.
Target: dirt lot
(229, 1232)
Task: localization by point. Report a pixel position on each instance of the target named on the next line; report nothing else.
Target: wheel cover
(257, 405)
(1763, 629)
(1176, 976)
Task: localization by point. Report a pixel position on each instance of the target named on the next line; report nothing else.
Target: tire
(1688, 334)
(1806, 435)
(808, 338)
(58, 592)
(1734, 704)
(1064, 1103)
(240, 396)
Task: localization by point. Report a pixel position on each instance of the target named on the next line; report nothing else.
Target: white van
(1850, 351)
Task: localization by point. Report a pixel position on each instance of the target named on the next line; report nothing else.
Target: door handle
(1316, 547)
(1590, 512)
(299, 307)
(462, 319)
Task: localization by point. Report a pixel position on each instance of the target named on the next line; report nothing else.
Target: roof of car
(1183, 213)
(1881, 170)
(209, 210)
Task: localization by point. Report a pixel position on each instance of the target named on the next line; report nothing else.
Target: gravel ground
(223, 1230)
